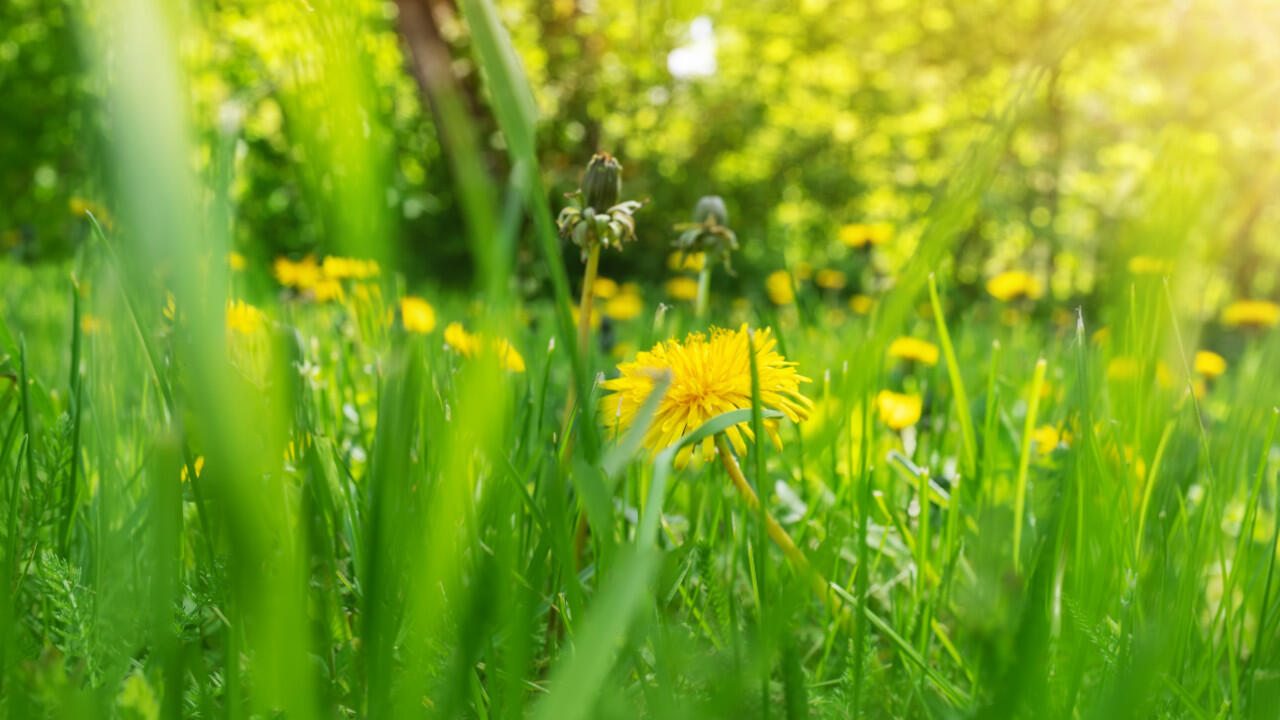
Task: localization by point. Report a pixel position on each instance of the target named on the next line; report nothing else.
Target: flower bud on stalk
(602, 182)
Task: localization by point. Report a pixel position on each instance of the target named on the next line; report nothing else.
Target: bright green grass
(380, 527)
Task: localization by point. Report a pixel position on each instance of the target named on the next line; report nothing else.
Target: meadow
(358, 380)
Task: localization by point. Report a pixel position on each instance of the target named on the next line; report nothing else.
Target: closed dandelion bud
(711, 208)
(602, 182)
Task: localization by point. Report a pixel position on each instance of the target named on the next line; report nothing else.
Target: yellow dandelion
(327, 289)
(624, 306)
(861, 235)
(459, 340)
(1014, 284)
(300, 275)
(243, 317)
(914, 349)
(1101, 336)
(711, 375)
(829, 279)
(1147, 265)
(170, 309)
(236, 261)
(677, 261)
(604, 288)
(341, 268)
(1210, 364)
(417, 314)
(682, 288)
(198, 466)
(778, 286)
(861, 304)
(899, 410)
(470, 344)
(1251, 313)
(1046, 438)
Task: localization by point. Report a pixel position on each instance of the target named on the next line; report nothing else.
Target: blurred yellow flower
(604, 288)
(914, 349)
(1101, 336)
(1251, 313)
(1147, 265)
(80, 206)
(710, 376)
(624, 306)
(300, 275)
(198, 466)
(861, 304)
(327, 289)
(417, 314)
(243, 317)
(1046, 438)
(468, 345)
(899, 410)
(778, 286)
(682, 288)
(340, 268)
(236, 261)
(829, 279)
(686, 261)
(1014, 284)
(859, 235)
(1210, 364)
(170, 309)
(462, 342)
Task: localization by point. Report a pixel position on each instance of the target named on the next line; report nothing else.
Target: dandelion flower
(898, 410)
(682, 288)
(778, 286)
(90, 324)
(860, 235)
(300, 275)
(341, 268)
(236, 261)
(829, 279)
(1210, 364)
(1014, 284)
(1046, 438)
(470, 344)
(711, 375)
(418, 315)
(1251, 313)
(624, 306)
(604, 288)
(861, 304)
(678, 260)
(914, 349)
(243, 317)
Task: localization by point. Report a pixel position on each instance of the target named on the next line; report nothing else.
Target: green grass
(332, 517)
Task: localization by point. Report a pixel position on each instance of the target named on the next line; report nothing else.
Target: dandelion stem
(775, 530)
(584, 347)
(704, 286)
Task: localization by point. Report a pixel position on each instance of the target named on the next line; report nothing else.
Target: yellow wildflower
(417, 314)
(909, 348)
(469, 344)
(829, 279)
(604, 288)
(340, 268)
(860, 235)
(1251, 313)
(1210, 364)
(686, 261)
(778, 286)
(682, 288)
(711, 375)
(243, 317)
(1046, 438)
(624, 306)
(898, 410)
(236, 261)
(1014, 284)
(861, 304)
(300, 275)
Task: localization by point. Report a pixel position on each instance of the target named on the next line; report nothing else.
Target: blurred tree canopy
(1154, 128)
